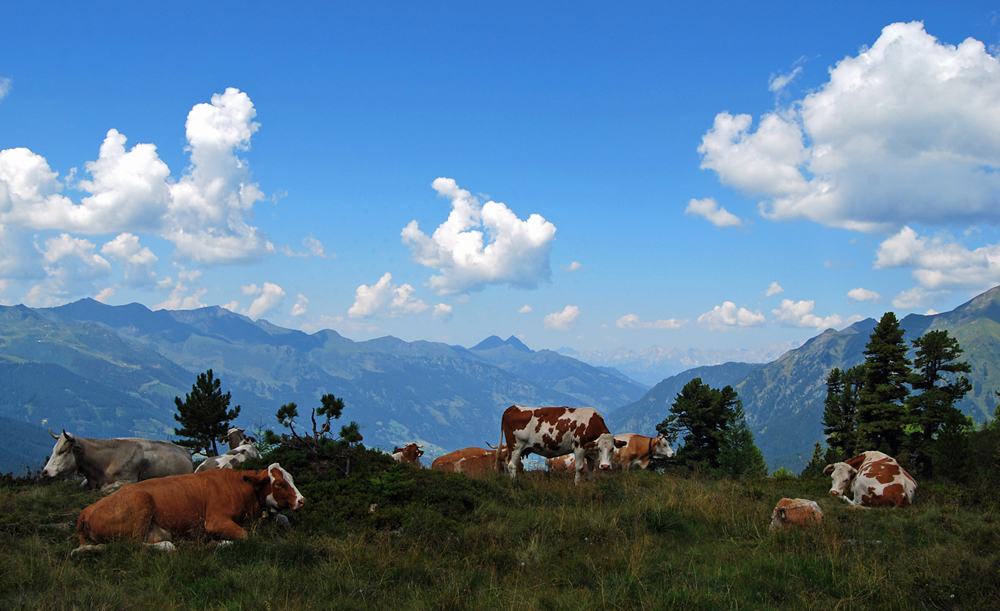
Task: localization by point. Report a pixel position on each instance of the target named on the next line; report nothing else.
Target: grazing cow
(554, 431)
(875, 480)
(469, 461)
(110, 462)
(640, 450)
(410, 455)
(795, 513)
(211, 504)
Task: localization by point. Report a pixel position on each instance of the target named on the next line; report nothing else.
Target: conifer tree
(816, 464)
(704, 414)
(739, 456)
(881, 400)
(840, 412)
(204, 415)
(937, 353)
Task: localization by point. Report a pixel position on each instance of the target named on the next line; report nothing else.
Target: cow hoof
(281, 520)
(88, 549)
(221, 544)
(112, 487)
(163, 546)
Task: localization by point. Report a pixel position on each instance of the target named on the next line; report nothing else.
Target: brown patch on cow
(884, 471)
(595, 428)
(856, 461)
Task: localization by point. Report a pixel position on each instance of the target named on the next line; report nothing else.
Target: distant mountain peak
(494, 341)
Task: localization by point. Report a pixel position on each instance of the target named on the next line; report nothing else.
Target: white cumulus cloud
(442, 311)
(271, 296)
(137, 261)
(728, 315)
(905, 131)
(861, 294)
(940, 263)
(799, 314)
(774, 289)
(562, 321)
(300, 306)
(4, 87)
(480, 245)
(713, 212)
(385, 298)
(525, 309)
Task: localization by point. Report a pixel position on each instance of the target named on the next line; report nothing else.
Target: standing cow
(875, 479)
(640, 450)
(108, 462)
(210, 504)
(554, 431)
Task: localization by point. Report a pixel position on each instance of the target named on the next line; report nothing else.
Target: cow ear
(257, 479)
(620, 444)
(590, 446)
(828, 470)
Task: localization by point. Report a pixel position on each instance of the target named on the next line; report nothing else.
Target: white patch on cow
(271, 504)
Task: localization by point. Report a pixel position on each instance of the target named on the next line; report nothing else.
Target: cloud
(860, 294)
(778, 82)
(137, 261)
(524, 309)
(940, 263)
(300, 306)
(385, 298)
(562, 321)
(728, 315)
(799, 314)
(904, 132)
(481, 245)
(573, 267)
(179, 298)
(204, 212)
(774, 289)
(4, 87)
(709, 209)
(442, 311)
(632, 321)
(313, 247)
(271, 296)
(916, 297)
(105, 295)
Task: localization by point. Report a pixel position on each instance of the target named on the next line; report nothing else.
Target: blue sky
(716, 177)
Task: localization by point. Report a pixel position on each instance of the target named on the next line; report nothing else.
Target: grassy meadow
(436, 541)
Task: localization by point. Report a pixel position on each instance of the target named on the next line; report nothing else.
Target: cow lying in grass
(875, 479)
(210, 504)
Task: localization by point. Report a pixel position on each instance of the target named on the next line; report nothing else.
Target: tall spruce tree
(840, 411)
(703, 414)
(937, 384)
(739, 456)
(204, 415)
(881, 400)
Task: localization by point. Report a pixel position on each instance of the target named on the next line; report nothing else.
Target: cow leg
(126, 515)
(225, 528)
(514, 462)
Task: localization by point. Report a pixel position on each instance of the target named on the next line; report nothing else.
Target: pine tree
(704, 414)
(881, 401)
(739, 457)
(816, 464)
(204, 415)
(937, 353)
(840, 412)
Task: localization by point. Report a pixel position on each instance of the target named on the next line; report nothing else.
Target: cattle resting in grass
(795, 513)
(876, 480)
(409, 455)
(211, 504)
(640, 450)
(107, 463)
(237, 454)
(555, 431)
(469, 461)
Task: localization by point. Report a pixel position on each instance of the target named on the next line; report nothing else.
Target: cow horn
(828, 470)
(54, 436)
(492, 447)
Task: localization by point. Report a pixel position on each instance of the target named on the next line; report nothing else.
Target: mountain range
(103, 371)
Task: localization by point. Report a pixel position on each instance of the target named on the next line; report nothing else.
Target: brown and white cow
(469, 461)
(211, 504)
(240, 449)
(409, 455)
(876, 480)
(554, 431)
(109, 462)
(795, 513)
(640, 450)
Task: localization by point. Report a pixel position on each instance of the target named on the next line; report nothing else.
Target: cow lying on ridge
(209, 504)
(111, 462)
(554, 431)
(875, 479)
(240, 449)
(470, 461)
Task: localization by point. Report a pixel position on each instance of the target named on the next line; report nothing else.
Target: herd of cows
(157, 496)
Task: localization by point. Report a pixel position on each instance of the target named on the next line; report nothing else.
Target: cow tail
(500, 460)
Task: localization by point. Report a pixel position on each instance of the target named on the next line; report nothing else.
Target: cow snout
(45, 473)
(300, 503)
(834, 493)
(605, 467)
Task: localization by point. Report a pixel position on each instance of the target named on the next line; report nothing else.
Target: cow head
(604, 446)
(662, 449)
(62, 463)
(281, 489)
(842, 475)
